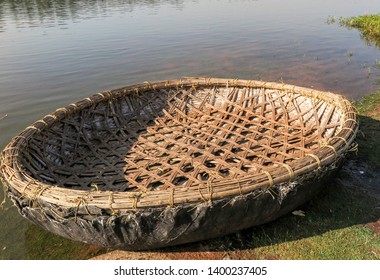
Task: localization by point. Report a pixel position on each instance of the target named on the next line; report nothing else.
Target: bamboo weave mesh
(178, 141)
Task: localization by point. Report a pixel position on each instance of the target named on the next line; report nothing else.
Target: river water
(55, 52)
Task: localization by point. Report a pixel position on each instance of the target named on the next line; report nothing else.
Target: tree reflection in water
(51, 12)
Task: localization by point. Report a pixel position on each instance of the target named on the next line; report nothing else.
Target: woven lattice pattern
(171, 162)
(175, 137)
(172, 142)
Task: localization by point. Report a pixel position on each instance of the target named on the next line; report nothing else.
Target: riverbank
(368, 25)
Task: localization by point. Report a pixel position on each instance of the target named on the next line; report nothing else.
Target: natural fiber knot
(90, 100)
(110, 201)
(354, 148)
(136, 198)
(5, 190)
(171, 198)
(270, 178)
(74, 105)
(26, 186)
(95, 186)
(290, 170)
(210, 190)
(102, 95)
(37, 193)
(20, 137)
(200, 193)
(341, 138)
(350, 120)
(63, 110)
(33, 127)
(42, 121)
(323, 142)
(240, 189)
(54, 117)
(10, 148)
(209, 187)
(332, 148)
(348, 128)
(316, 159)
(81, 201)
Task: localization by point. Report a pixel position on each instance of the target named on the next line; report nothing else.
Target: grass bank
(368, 25)
(369, 136)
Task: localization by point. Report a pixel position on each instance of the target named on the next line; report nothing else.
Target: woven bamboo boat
(172, 162)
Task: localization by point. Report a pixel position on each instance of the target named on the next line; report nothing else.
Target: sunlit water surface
(55, 52)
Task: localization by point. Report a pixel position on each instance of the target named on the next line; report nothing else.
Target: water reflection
(368, 38)
(30, 13)
(54, 52)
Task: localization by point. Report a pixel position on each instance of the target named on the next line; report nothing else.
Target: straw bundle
(170, 162)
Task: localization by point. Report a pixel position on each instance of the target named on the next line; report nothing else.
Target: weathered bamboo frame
(30, 193)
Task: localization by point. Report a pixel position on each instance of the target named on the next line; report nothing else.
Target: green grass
(333, 228)
(368, 103)
(55, 247)
(369, 137)
(368, 25)
(20, 239)
(349, 243)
